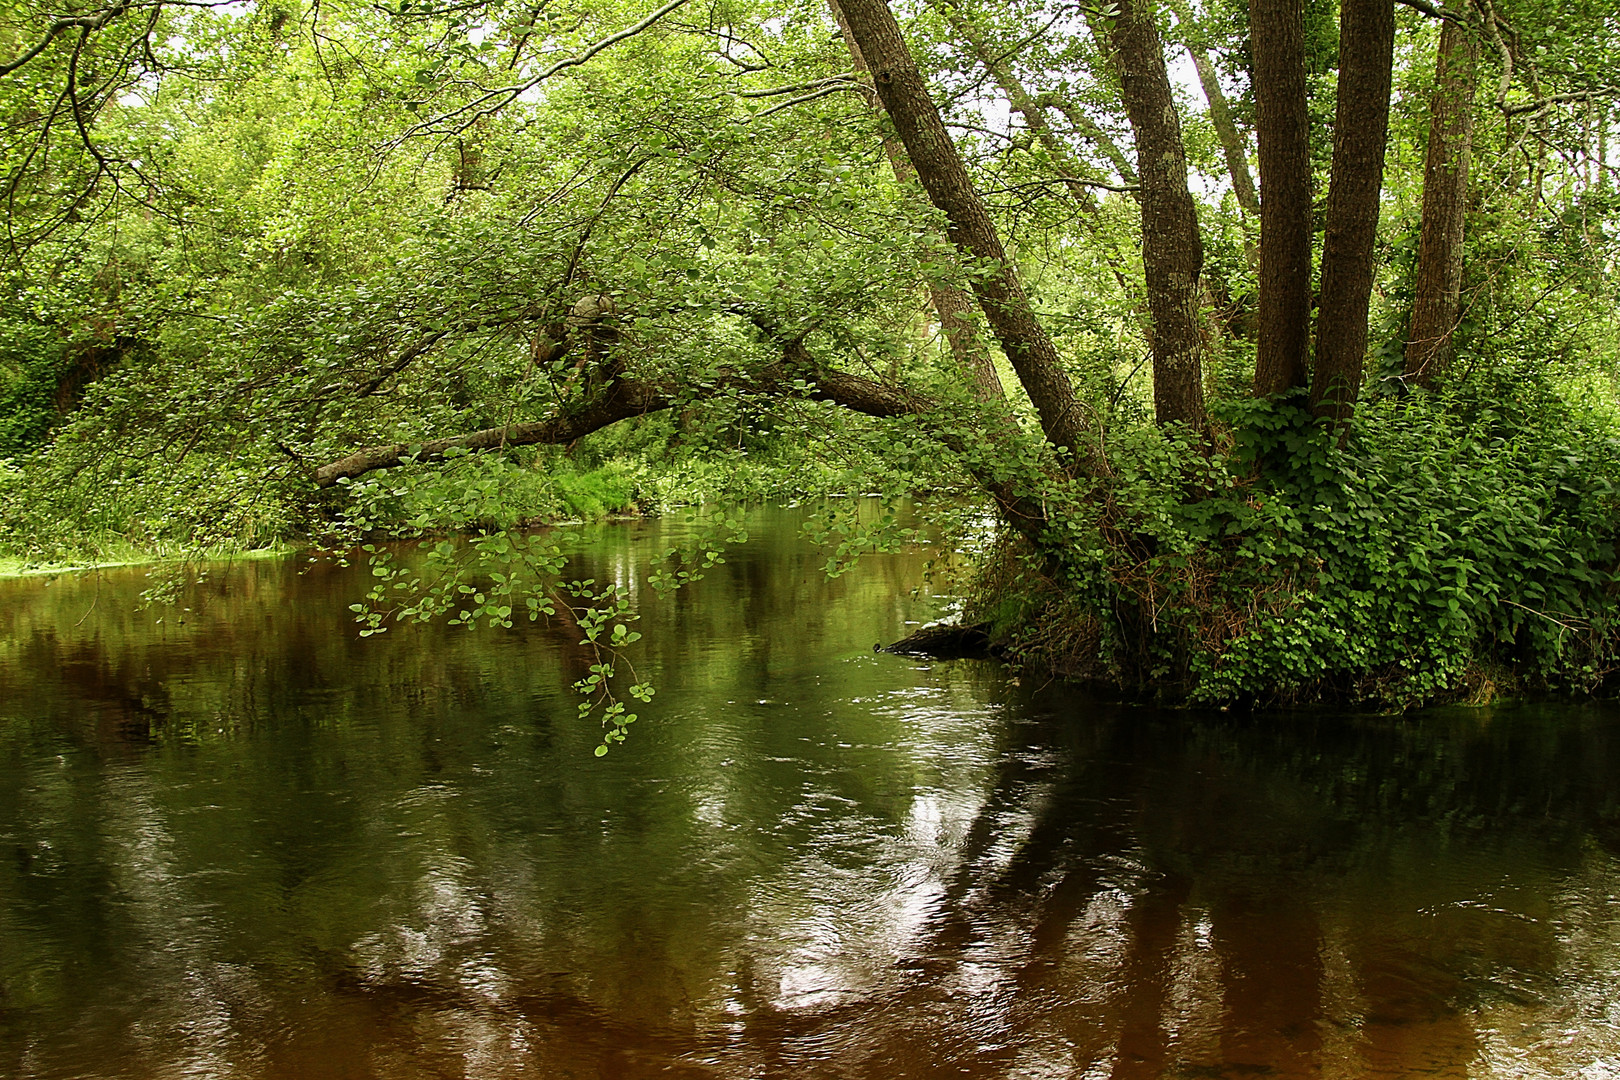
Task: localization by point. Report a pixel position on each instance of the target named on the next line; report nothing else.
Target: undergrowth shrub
(52, 512)
(1449, 543)
(31, 362)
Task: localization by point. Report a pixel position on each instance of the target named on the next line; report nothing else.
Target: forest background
(1260, 352)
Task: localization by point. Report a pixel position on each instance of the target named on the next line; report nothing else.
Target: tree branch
(796, 375)
(825, 91)
(1066, 181)
(480, 107)
(1558, 99)
(87, 23)
(1430, 10)
(795, 88)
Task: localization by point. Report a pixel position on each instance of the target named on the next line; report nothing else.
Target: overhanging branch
(794, 376)
(86, 23)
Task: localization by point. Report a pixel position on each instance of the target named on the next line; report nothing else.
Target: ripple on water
(254, 846)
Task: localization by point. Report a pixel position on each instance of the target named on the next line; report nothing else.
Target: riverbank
(21, 568)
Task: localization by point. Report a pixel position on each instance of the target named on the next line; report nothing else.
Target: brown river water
(252, 844)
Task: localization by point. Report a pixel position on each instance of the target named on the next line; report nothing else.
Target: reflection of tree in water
(1145, 895)
(275, 847)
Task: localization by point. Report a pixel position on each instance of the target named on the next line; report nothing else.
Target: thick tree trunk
(1438, 301)
(939, 166)
(1277, 40)
(953, 305)
(1360, 133)
(1172, 251)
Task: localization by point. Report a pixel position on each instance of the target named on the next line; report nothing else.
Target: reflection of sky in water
(255, 846)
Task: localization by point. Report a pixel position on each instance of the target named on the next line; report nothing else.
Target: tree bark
(1437, 303)
(1277, 41)
(1360, 134)
(945, 177)
(953, 305)
(1172, 250)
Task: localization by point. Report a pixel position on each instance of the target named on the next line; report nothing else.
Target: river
(245, 842)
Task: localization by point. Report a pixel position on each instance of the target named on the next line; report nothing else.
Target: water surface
(252, 844)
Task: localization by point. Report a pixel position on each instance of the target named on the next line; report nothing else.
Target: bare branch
(1066, 181)
(790, 103)
(579, 248)
(401, 362)
(1431, 11)
(1559, 99)
(74, 106)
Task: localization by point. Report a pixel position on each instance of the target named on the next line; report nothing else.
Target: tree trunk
(952, 304)
(1438, 301)
(1033, 110)
(1220, 116)
(1172, 251)
(945, 177)
(1277, 40)
(1220, 113)
(1360, 134)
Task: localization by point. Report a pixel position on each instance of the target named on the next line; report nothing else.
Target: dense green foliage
(1452, 546)
(260, 239)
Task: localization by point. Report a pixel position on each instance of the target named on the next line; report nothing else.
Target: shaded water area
(254, 845)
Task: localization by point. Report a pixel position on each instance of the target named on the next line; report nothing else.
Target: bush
(1451, 543)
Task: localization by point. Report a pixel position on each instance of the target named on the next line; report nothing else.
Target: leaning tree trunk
(1220, 117)
(1172, 251)
(1438, 301)
(1220, 111)
(945, 177)
(1360, 133)
(951, 303)
(1069, 166)
(1277, 40)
